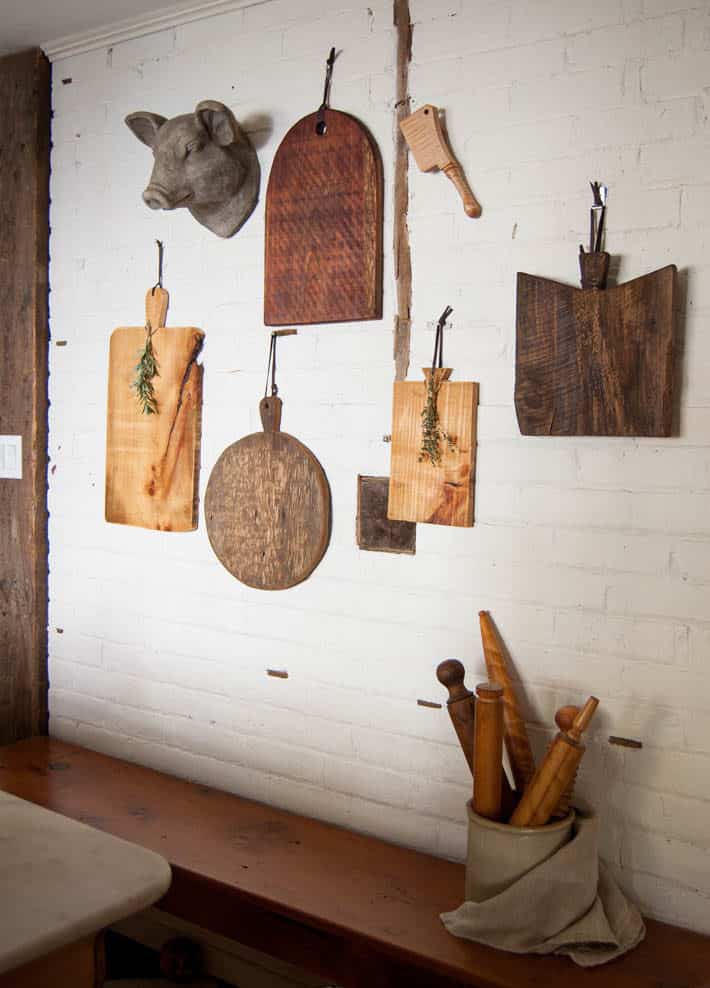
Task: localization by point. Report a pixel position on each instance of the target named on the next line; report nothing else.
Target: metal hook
(439, 338)
(271, 365)
(320, 119)
(159, 282)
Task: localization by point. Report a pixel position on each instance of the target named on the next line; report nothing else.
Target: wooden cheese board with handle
(323, 243)
(152, 460)
(595, 361)
(267, 506)
(419, 490)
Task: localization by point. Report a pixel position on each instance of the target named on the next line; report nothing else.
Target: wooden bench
(353, 909)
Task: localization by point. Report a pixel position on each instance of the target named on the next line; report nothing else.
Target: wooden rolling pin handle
(564, 718)
(461, 704)
(156, 307)
(581, 721)
(454, 172)
(450, 674)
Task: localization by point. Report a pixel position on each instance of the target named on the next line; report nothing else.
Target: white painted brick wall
(593, 555)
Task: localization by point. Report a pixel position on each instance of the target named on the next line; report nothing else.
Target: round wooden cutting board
(267, 507)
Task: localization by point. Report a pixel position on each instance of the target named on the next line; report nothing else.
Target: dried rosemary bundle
(432, 433)
(146, 370)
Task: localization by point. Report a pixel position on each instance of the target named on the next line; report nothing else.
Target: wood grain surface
(401, 250)
(488, 751)
(593, 362)
(24, 332)
(419, 491)
(517, 743)
(152, 461)
(374, 530)
(267, 507)
(428, 143)
(323, 248)
(355, 909)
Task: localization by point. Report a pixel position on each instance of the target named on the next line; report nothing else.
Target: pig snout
(158, 197)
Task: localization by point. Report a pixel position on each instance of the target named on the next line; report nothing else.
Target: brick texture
(593, 555)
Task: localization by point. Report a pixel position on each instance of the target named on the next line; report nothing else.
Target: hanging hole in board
(321, 128)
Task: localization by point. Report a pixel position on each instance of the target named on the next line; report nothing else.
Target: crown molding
(136, 27)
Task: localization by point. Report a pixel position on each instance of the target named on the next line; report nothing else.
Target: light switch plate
(11, 457)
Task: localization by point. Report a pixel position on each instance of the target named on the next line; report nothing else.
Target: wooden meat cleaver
(152, 460)
(426, 139)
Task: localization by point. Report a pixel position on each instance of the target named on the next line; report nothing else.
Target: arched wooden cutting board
(323, 253)
(267, 507)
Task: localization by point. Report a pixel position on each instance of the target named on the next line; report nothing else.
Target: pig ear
(217, 121)
(145, 125)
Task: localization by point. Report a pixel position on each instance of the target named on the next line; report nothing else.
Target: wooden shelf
(354, 909)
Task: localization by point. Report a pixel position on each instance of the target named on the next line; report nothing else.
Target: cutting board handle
(156, 307)
(441, 374)
(270, 411)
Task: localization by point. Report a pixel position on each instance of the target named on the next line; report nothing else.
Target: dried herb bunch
(146, 370)
(432, 433)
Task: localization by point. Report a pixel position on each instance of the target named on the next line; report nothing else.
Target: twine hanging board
(323, 245)
(419, 491)
(267, 506)
(152, 461)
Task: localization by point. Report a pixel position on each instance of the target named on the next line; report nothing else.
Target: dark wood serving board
(323, 251)
(595, 361)
(267, 507)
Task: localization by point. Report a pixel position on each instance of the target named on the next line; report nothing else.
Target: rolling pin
(517, 744)
(564, 718)
(461, 704)
(488, 751)
(556, 772)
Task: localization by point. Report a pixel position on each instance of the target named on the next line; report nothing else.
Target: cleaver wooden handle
(454, 172)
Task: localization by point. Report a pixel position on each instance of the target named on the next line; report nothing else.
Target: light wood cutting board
(152, 461)
(420, 491)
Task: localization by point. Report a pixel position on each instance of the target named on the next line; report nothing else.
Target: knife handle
(454, 172)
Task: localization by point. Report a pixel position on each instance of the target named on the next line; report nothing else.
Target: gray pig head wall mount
(204, 161)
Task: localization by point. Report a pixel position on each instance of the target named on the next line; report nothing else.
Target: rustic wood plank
(420, 491)
(323, 244)
(24, 258)
(152, 461)
(401, 248)
(375, 531)
(595, 361)
(267, 507)
(353, 908)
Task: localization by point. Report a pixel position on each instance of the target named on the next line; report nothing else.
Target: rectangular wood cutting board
(420, 491)
(152, 461)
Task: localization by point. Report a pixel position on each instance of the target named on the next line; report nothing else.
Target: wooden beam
(24, 335)
(402, 253)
